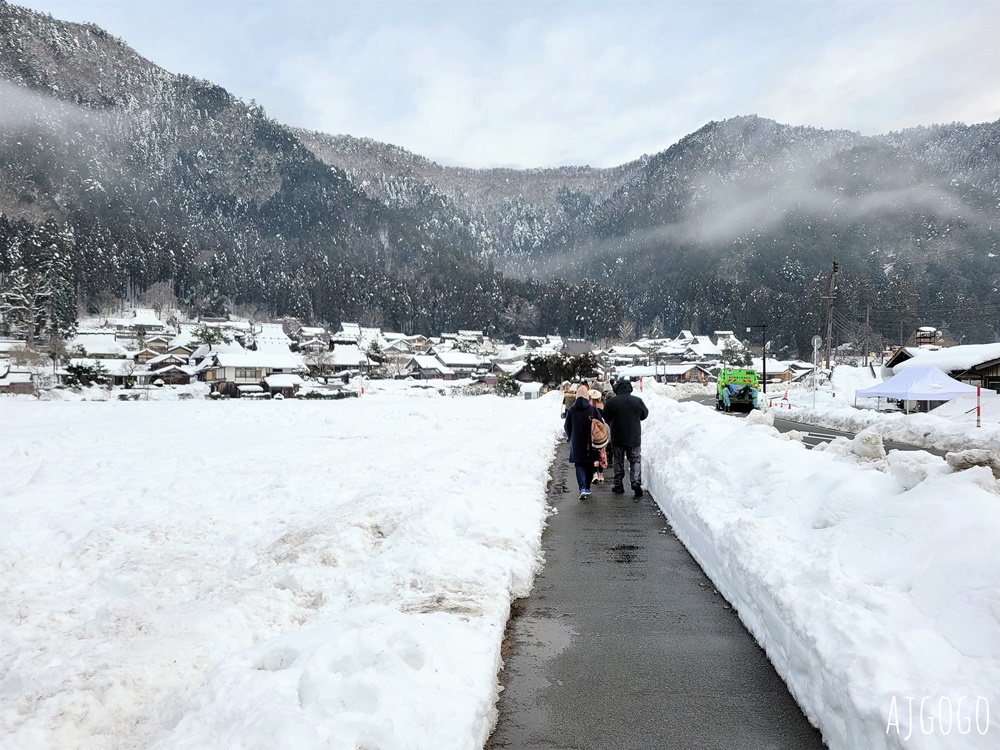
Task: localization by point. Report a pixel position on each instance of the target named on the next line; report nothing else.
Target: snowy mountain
(739, 222)
(141, 176)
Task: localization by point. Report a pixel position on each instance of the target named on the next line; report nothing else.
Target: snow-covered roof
(951, 358)
(677, 369)
(627, 351)
(702, 346)
(184, 337)
(9, 377)
(511, 368)
(164, 357)
(671, 350)
(97, 343)
(313, 344)
(272, 336)
(312, 330)
(456, 358)
(11, 345)
(509, 353)
(798, 364)
(141, 317)
(206, 349)
(283, 380)
(774, 366)
(190, 371)
(426, 362)
(348, 356)
(371, 336)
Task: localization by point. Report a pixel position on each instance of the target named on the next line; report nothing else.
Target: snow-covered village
(197, 554)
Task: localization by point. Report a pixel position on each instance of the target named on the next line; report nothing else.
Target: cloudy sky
(530, 83)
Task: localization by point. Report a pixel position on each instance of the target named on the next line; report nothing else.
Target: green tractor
(736, 390)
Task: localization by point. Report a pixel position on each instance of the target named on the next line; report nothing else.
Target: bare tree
(626, 330)
(24, 302)
(318, 360)
(37, 364)
(160, 297)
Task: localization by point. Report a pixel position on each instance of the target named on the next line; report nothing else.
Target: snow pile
(677, 391)
(873, 583)
(952, 358)
(950, 427)
(269, 574)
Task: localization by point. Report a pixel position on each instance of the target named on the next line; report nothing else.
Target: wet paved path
(624, 644)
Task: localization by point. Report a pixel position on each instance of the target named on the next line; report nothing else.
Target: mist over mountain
(140, 177)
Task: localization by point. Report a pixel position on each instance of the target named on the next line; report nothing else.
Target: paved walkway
(624, 644)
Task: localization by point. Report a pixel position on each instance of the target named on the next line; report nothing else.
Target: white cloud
(538, 84)
(912, 65)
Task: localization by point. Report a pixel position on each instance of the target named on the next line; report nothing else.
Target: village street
(813, 435)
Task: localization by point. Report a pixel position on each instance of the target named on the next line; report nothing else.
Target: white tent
(920, 384)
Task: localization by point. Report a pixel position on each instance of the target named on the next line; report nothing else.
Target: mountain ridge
(152, 178)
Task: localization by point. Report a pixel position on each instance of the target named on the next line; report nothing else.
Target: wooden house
(169, 359)
(684, 373)
(463, 364)
(158, 343)
(143, 356)
(426, 367)
(15, 381)
(237, 373)
(287, 384)
(172, 375)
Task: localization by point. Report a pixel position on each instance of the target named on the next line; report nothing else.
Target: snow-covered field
(337, 574)
(331, 574)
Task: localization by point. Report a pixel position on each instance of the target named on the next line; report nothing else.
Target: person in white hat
(601, 462)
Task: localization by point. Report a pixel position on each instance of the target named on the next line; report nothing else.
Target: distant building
(576, 347)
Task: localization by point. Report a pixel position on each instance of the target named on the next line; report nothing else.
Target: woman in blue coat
(577, 427)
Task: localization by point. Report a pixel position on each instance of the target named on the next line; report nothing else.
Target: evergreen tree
(205, 335)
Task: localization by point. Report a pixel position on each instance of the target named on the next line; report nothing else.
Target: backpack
(600, 435)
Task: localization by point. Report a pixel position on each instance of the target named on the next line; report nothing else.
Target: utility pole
(868, 320)
(829, 313)
(763, 352)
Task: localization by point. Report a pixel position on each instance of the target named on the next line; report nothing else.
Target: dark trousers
(584, 476)
(634, 456)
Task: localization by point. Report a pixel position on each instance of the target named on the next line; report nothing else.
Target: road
(814, 435)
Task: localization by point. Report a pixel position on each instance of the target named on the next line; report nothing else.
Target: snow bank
(259, 574)
(950, 427)
(872, 583)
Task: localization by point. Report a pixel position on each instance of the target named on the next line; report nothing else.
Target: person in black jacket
(624, 414)
(577, 428)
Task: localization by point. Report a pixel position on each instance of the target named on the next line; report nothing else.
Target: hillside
(142, 177)
(117, 176)
(740, 223)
